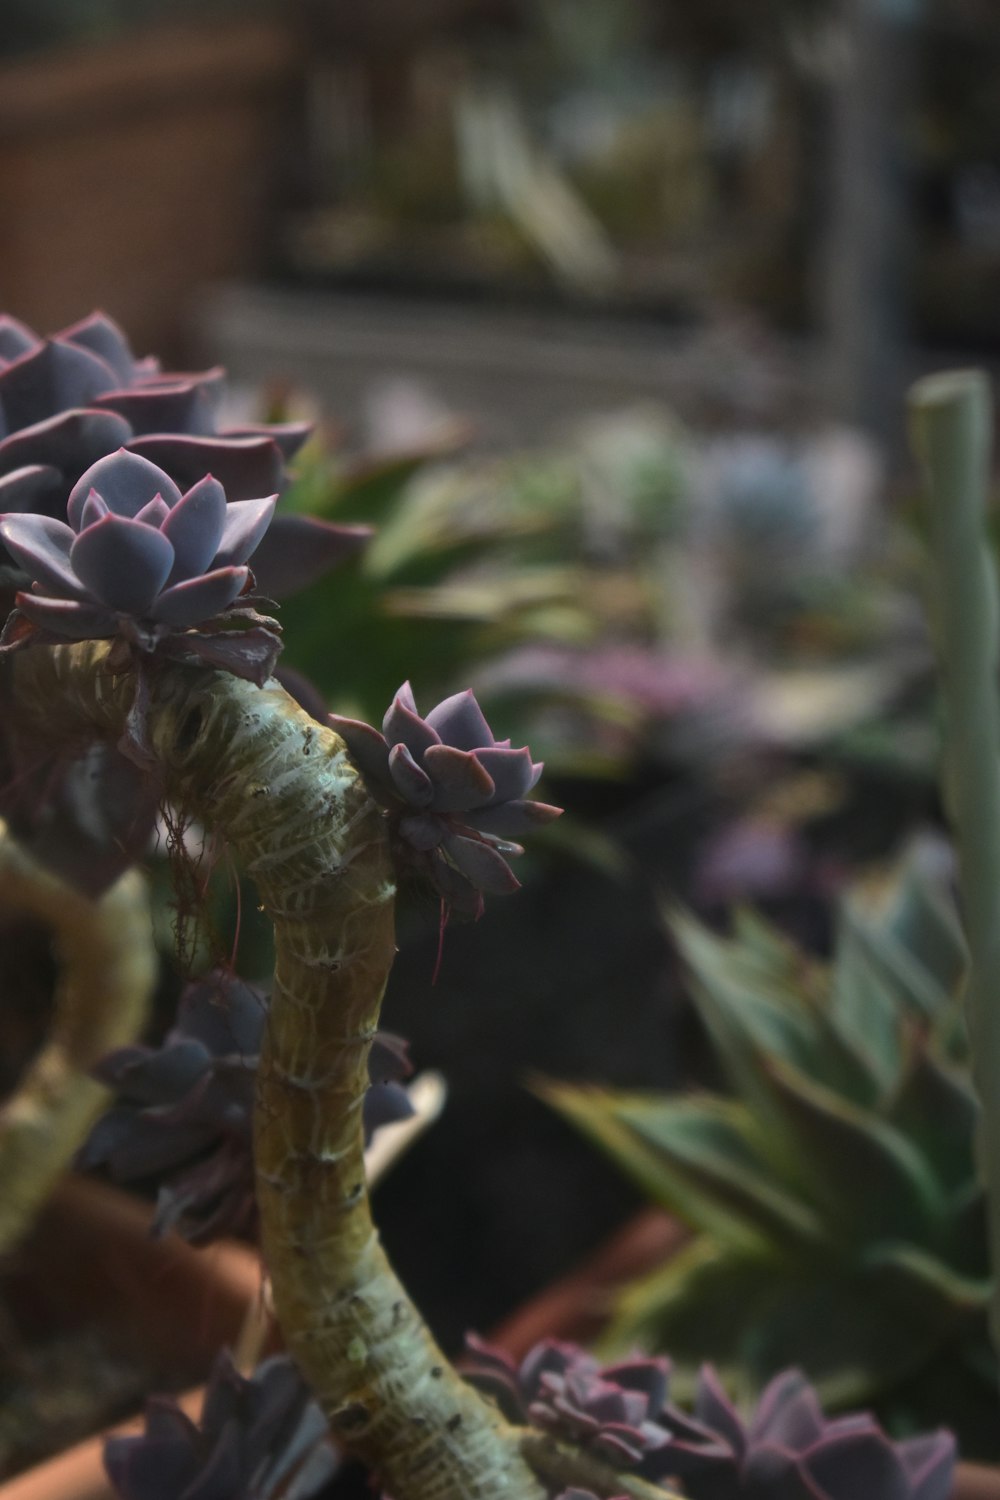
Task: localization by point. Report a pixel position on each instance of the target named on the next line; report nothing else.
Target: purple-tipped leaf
(103, 337)
(49, 379)
(459, 721)
(69, 617)
(197, 599)
(481, 865)
(180, 407)
(194, 527)
(460, 780)
(244, 525)
(299, 550)
(412, 783)
(122, 563)
(125, 482)
(42, 547)
(365, 746)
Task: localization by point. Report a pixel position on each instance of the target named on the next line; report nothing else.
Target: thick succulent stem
(952, 423)
(106, 977)
(250, 764)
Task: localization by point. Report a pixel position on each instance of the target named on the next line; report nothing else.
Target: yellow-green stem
(107, 972)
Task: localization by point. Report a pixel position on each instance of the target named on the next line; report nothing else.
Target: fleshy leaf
(122, 563)
(124, 481)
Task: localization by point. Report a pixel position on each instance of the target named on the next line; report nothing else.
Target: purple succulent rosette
(612, 1412)
(71, 399)
(258, 1437)
(184, 1111)
(137, 558)
(787, 1450)
(457, 796)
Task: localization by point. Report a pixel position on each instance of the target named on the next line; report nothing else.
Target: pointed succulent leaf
(51, 378)
(153, 513)
(245, 467)
(194, 527)
(511, 820)
(857, 1464)
(366, 747)
(402, 725)
(95, 509)
(243, 525)
(698, 1157)
(481, 864)
(460, 781)
(122, 563)
(181, 406)
(15, 338)
(298, 550)
(935, 1107)
(70, 441)
(103, 337)
(411, 782)
(512, 771)
(31, 487)
(197, 599)
(865, 1007)
(929, 1461)
(70, 617)
(871, 1180)
(42, 547)
(125, 482)
(459, 721)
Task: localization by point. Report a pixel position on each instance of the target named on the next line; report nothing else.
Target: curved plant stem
(951, 419)
(107, 972)
(249, 763)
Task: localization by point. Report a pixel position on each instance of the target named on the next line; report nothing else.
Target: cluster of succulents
(457, 795)
(259, 1437)
(787, 1447)
(182, 1114)
(834, 1194)
(74, 398)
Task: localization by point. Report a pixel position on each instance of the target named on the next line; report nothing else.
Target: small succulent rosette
(258, 1437)
(182, 1114)
(135, 557)
(457, 797)
(787, 1449)
(69, 400)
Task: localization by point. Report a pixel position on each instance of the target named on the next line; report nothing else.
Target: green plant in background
(613, 595)
(952, 424)
(838, 1224)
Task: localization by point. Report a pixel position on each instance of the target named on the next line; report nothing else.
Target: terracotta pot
(977, 1482)
(90, 1258)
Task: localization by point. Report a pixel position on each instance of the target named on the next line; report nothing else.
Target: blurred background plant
(838, 1221)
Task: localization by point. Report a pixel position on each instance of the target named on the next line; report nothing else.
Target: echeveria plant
(134, 555)
(183, 1111)
(457, 795)
(258, 1437)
